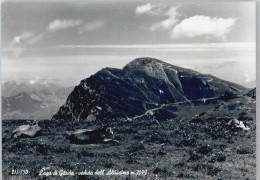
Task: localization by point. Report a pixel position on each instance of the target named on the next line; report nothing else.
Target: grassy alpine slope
(196, 144)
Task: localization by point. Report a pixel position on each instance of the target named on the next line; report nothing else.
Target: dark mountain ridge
(142, 85)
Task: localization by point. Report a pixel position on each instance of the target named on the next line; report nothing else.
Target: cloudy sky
(68, 42)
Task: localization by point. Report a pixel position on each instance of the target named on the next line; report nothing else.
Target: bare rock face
(252, 93)
(143, 84)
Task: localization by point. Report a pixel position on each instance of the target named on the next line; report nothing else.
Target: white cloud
(171, 14)
(191, 27)
(200, 25)
(91, 26)
(59, 24)
(23, 36)
(144, 9)
(18, 43)
(150, 9)
(168, 23)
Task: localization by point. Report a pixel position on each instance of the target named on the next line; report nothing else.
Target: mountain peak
(141, 62)
(143, 84)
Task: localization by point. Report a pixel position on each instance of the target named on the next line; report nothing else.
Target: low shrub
(42, 149)
(61, 149)
(213, 171)
(137, 137)
(219, 157)
(204, 149)
(161, 152)
(87, 154)
(159, 170)
(16, 147)
(245, 116)
(108, 164)
(131, 160)
(194, 157)
(186, 142)
(137, 148)
(180, 164)
(244, 150)
(207, 169)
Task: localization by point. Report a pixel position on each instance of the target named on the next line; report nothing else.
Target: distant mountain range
(143, 87)
(24, 100)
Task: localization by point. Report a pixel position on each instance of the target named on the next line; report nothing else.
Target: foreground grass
(174, 149)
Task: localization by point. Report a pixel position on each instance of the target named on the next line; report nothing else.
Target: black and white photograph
(128, 90)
